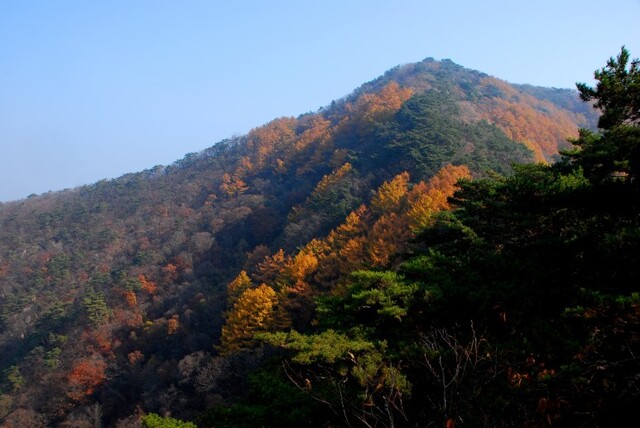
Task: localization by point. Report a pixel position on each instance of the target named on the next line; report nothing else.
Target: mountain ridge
(135, 268)
(402, 74)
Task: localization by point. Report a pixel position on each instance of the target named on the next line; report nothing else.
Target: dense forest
(438, 248)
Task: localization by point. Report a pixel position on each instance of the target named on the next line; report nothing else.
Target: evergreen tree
(613, 154)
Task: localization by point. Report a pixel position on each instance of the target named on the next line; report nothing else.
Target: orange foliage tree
(426, 199)
(372, 236)
(540, 125)
(86, 375)
(135, 357)
(374, 106)
(130, 298)
(148, 286)
(272, 270)
(316, 137)
(170, 272)
(264, 142)
(172, 325)
(368, 237)
(232, 185)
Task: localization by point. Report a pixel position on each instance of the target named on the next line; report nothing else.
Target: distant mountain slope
(113, 293)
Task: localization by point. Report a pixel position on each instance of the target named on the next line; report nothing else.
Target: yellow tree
(343, 250)
(388, 237)
(252, 313)
(390, 194)
(232, 185)
(238, 286)
(427, 199)
(405, 212)
(265, 141)
(296, 300)
(353, 226)
(303, 264)
(332, 179)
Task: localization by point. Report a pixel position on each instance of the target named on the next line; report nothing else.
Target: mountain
(114, 295)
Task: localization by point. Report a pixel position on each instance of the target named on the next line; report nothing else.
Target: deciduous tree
(86, 375)
(252, 313)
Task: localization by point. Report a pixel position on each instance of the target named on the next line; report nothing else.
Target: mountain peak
(134, 270)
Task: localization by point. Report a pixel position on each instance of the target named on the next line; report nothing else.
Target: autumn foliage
(85, 376)
(112, 294)
(148, 286)
(540, 125)
(368, 237)
(376, 107)
(252, 313)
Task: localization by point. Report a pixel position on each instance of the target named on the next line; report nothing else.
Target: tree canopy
(156, 292)
(614, 152)
(518, 307)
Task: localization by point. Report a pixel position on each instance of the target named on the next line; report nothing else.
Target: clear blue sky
(95, 89)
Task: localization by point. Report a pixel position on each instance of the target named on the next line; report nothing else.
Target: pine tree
(614, 153)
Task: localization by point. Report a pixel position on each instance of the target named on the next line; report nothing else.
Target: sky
(92, 90)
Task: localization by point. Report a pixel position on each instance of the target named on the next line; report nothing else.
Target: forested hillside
(312, 239)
